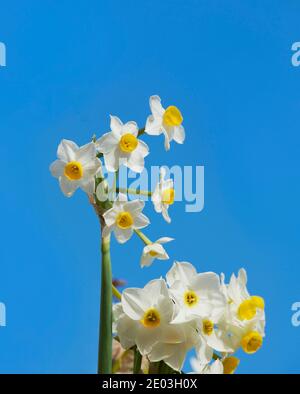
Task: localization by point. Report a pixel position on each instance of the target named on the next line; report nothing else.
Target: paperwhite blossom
(154, 251)
(75, 167)
(143, 319)
(165, 121)
(122, 146)
(163, 195)
(124, 217)
(196, 295)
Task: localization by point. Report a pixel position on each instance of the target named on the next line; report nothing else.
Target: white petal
(110, 217)
(66, 150)
(179, 134)
(135, 162)
(141, 221)
(160, 351)
(154, 125)
(167, 140)
(156, 248)
(123, 235)
(127, 331)
(86, 154)
(204, 352)
(67, 187)
(146, 339)
(106, 231)
(130, 128)
(89, 186)
(57, 168)
(156, 288)
(107, 143)
(135, 303)
(217, 368)
(155, 105)
(181, 271)
(116, 125)
(91, 168)
(146, 260)
(164, 240)
(112, 160)
(134, 206)
(165, 213)
(176, 361)
(208, 281)
(142, 148)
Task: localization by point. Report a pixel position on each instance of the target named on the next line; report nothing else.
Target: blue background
(227, 65)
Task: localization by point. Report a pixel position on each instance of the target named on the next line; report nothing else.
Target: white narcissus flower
(211, 337)
(163, 195)
(248, 335)
(153, 251)
(75, 167)
(196, 295)
(124, 217)
(241, 305)
(167, 121)
(143, 319)
(216, 368)
(121, 146)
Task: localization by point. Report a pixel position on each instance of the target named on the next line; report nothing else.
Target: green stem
(137, 361)
(143, 237)
(134, 191)
(141, 131)
(105, 332)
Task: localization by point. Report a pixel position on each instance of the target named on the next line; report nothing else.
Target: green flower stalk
(105, 331)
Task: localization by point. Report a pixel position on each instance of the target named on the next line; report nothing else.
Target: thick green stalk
(134, 191)
(137, 361)
(105, 332)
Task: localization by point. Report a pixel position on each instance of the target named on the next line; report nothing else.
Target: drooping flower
(154, 251)
(143, 319)
(165, 121)
(76, 167)
(124, 217)
(122, 146)
(196, 295)
(163, 195)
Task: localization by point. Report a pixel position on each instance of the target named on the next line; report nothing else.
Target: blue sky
(227, 65)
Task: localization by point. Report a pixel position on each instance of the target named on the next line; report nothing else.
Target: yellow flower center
(153, 253)
(247, 309)
(128, 143)
(124, 220)
(172, 116)
(190, 298)
(73, 170)
(230, 364)
(151, 318)
(208, 327)
(168, 196)
(251, 342)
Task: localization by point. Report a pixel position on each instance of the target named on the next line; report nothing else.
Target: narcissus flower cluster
(167, 318)
(160, 323)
